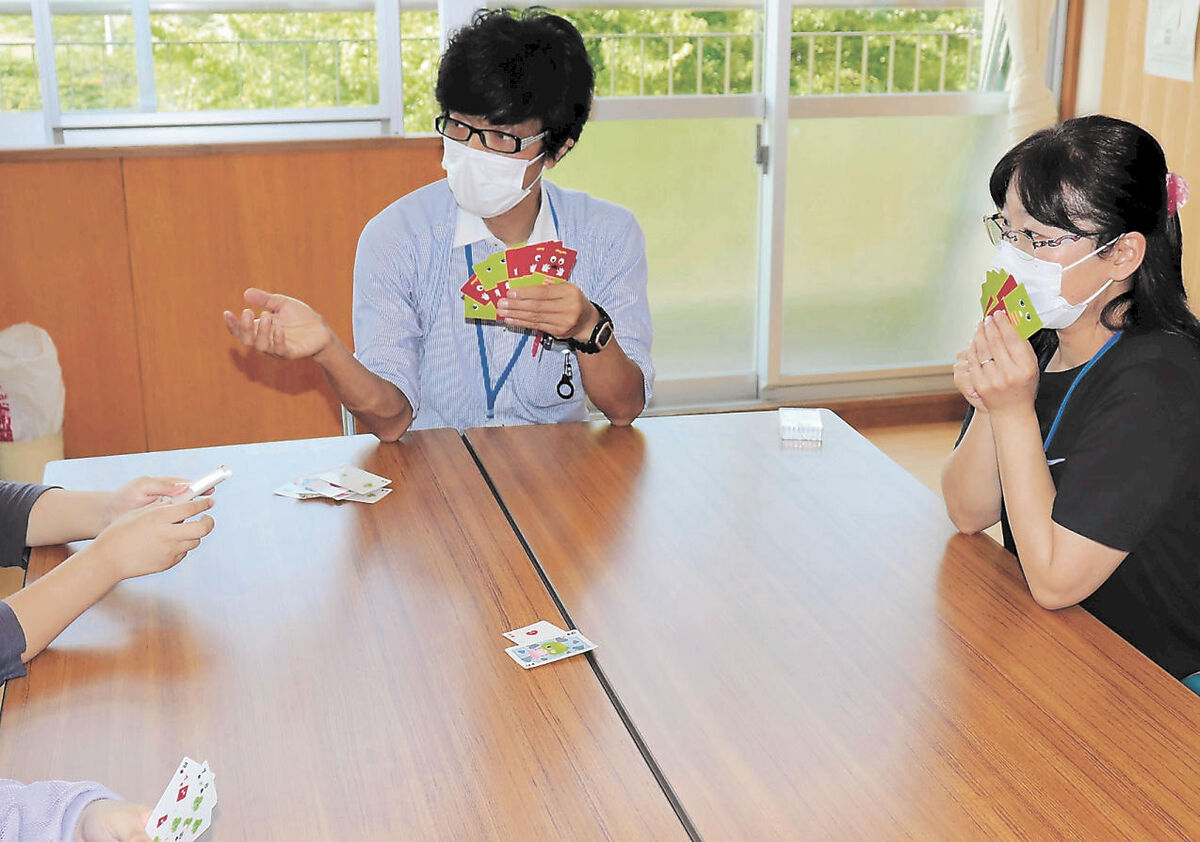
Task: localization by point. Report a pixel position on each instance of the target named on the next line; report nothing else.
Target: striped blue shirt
(409, 326)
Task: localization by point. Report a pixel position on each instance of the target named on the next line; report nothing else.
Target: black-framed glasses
(998, 229)
(493, 139)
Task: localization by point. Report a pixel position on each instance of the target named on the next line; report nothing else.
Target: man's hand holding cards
(524, 266)
(543, 643)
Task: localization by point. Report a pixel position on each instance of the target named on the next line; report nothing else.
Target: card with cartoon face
(554, 261)
(491, 270)
(997, 285)
(1020, 311)
(550, 650)
(474, 290)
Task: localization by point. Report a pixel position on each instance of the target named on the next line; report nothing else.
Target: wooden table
(811, 652)
(341, 666)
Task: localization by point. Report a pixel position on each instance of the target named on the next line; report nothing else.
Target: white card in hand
(535, 633)
(185, 809)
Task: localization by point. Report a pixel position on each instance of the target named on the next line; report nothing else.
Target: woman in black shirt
(1085, 441)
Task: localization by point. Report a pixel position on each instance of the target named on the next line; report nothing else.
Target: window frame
(773, 105)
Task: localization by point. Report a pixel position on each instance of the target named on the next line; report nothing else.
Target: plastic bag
(32, 395)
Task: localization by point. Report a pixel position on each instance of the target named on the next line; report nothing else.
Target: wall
(129, 257)
(1167, 108)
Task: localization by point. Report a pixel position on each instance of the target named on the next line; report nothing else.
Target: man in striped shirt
(514, 94)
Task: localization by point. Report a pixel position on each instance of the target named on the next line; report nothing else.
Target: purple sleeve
(12, 646)
(46, 811)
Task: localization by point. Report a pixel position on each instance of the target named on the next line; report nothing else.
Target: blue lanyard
(1062, 407)
(489, 390)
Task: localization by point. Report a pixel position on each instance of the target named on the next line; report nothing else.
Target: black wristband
(602, 334)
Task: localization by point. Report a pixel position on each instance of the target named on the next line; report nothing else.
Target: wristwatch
(602, 334)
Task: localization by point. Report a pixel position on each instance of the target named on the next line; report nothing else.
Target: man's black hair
(509, 68)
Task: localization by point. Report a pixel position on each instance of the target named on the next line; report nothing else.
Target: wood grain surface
(64, 266)
(205, 228)
(1167, 108)
(810, 651)
(341, 666)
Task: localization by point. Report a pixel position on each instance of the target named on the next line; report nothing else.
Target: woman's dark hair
(1101, 177)
(509, 69)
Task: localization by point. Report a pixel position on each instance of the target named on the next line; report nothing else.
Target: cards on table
(523, 266)
(345, 482)
(1001, 292)
(185, 810)
(544, 643)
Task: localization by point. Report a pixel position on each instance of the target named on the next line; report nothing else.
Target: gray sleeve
(16, 502)
(12, 645)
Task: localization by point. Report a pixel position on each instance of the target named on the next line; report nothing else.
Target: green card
(491, 271)
(1020, 310)
(994, 279)
(474, 310)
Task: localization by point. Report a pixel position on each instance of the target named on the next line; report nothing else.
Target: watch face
(605, 334)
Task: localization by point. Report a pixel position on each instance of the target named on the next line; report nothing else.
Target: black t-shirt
(1125, 461)
(16, 501)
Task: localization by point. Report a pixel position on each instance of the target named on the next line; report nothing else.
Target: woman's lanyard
(1062, 407)
(489, 390)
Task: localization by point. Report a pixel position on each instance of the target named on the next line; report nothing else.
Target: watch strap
(602, 334)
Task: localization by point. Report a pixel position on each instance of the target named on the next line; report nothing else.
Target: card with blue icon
(547, 650)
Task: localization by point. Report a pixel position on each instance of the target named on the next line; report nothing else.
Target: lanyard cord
(493, 391)
(1062, 407)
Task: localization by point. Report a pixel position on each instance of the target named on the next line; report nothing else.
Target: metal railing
(627, 64)
(19, 84)
(659, 59)
(913, 40)
(166, 52)
(608, 46)
(116, 86)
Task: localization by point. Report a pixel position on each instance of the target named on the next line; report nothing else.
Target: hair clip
(1177, 193)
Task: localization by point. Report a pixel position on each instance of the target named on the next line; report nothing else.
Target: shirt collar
(471, 229)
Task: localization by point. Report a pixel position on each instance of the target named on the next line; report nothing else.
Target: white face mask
(1043, 281)
(485, 184)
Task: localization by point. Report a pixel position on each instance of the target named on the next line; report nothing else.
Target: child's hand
(112, 821)
(141, 492)
(152, 538)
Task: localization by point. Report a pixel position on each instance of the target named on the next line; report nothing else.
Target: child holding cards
(1085, 441)
(136, 533)
(514, 93)
(57, 811)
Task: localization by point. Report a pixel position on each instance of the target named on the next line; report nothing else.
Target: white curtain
(1031, 104)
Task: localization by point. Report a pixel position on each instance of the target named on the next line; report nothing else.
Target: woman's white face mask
(485, 184)
(1043, 282)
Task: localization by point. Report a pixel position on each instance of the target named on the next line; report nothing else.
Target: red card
(474, 290)
(520, 261)
(996, 302)
(557, 262)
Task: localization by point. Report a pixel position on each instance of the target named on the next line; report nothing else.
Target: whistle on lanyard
(566, 388)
